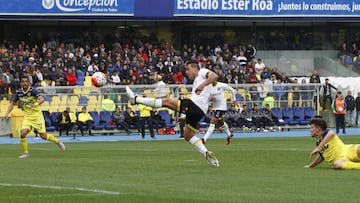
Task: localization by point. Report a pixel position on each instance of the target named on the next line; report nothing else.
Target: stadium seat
(49, 122)
(239, 98)
(288, 115)
(309, 113)
(277, 112)
(105, 118)
(97, 125)
(300, 116)
(83, 101)
(166, 116)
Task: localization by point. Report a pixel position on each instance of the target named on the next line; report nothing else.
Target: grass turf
(251, 170)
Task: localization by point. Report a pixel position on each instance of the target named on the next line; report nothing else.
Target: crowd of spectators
(134, 61)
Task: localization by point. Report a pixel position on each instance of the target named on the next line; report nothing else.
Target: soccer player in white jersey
(219, 108)
(194, 108)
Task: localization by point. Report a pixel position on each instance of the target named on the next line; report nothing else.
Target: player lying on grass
(194, 108)
(331, 148)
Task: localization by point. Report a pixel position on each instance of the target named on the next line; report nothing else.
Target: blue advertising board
(67, 7)
(267, 8)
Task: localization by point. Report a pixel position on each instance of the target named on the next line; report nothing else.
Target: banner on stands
(68, 7)
(267, 8)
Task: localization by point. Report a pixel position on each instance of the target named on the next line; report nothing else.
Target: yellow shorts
(37, 123)
(350, 152)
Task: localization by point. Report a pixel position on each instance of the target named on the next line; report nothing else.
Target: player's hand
(199, 89)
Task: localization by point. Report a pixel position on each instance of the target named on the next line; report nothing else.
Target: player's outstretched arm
(10, 108)
(316, 162)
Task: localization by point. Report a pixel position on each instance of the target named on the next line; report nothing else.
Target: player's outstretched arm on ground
(316, 162)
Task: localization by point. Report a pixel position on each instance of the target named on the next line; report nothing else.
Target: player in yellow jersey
(331, 149)
(29, 100)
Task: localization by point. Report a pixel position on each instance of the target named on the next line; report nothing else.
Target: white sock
(149, 101)
(200, 147)
(225, 128)
(209, 131)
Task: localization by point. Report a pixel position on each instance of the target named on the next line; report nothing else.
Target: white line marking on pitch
(106, 192)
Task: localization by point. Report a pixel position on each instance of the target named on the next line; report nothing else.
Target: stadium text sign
(67, 7)
(261, 8)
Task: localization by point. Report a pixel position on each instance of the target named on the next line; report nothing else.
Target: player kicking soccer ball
(29, 100)
(219, 107)
(194, 108)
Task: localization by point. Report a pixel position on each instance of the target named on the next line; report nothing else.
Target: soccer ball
(98, 79)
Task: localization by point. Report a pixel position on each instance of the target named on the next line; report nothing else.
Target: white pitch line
(106, 192)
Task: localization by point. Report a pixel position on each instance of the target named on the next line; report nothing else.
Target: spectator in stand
(245, 117)
(327, 93)
(265, 74)
(315, 78)
(92, 68)
(306, 95)
(339, 108)
(242, 59)
(269, 117)
(160, 88)
(119, 118)
(64, 122)
(357, 104)
(250, 52)
(350, 102)
(84, 119)
(343, 52)
(257, 117)
(232, 117)
(115, 79)
(157, 121)
(259, 66)
(131, 118)
(70, 77)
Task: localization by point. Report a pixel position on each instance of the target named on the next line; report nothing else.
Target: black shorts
(192, 111)
(219, 114)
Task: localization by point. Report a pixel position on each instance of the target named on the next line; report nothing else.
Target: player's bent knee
(337, 164)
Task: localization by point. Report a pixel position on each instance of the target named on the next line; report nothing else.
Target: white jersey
(202, 99)
(218, 91)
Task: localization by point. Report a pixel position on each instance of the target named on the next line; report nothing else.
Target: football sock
(350, 165)
(200, 147)
(24, 145)
(209, 131)
(52, 138)
(149, 101)
(225, 128)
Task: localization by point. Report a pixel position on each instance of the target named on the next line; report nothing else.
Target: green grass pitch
(251, 170)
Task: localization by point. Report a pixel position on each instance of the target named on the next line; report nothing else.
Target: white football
(98, 79)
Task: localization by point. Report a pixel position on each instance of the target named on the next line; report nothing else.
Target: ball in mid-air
(98, 79)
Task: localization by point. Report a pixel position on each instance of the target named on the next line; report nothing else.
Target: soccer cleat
(228, 140)
(25, 155)
(203, 140)
(211, 158)
(61, 145)
(131, 95)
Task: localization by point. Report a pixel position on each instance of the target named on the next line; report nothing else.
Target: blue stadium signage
(267, 8)
(68, 7)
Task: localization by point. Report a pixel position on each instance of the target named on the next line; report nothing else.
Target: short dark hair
(191, 61)
(319, 123)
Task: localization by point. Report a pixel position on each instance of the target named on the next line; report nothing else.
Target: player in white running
(219, 108)
(194, 108)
